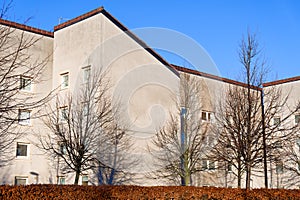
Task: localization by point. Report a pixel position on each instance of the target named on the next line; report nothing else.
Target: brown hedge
(137, 192)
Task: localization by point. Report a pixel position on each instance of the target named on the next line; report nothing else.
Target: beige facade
(143, 81)
(285, 172)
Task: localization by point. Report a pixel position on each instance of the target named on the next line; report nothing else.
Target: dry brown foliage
(138, 192)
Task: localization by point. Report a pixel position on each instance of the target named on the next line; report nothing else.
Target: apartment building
(284, 173)
(141, 79)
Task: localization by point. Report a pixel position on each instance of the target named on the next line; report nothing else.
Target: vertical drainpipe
(264, 137)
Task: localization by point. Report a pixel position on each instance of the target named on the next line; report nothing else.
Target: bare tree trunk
(187, 174)
(239, 175)
(248, 177)
(226, 167)
(249, 121)
(185, 177)
(77, 177)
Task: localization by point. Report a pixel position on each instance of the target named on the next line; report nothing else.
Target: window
(279, 167)
(21, 180)
(64, 80)
(208, 165)
(85, 180)
(297, 119)
(24, 117)
(206, 116)
(63, 148)
(86, 74)
(204, 164)
(25, 83)
(229, 167)
(211, 165)
(276, 121)
(22, 150)
(63, 114)
(61, 180)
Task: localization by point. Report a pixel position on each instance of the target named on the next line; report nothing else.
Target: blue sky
(216, 25)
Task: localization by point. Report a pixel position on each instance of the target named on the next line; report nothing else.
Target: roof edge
(140, 42)
(122, 27)
(79, 18)
(282, 81)
(214, 77)
(26, 28)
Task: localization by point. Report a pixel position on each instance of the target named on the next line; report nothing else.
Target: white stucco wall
(35, 165)
(287, 179)
(143, 84)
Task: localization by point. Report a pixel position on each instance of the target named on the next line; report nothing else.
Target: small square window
(61, 180)
(86, 74)
(63, 114)
(63, 148)
(24, 117)
(25, 83)
(206, 116)
(64, 80)
(204, 164)
(276, 121)
(208, 165)
(229, 167)
(22, 150)
(85, 180)
(21, 180)
(212, 165)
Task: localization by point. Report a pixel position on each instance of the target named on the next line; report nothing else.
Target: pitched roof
(122, 27)
(277, 82)
(210, 76)
(26, 28)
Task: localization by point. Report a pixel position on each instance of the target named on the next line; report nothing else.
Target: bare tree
(230, 130)
(244, 131)
(83, 124)
(179, 146)
(19, 69)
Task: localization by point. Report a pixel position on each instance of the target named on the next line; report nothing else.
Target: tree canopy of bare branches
(84, 131)
(178, 146)
(244, 131)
